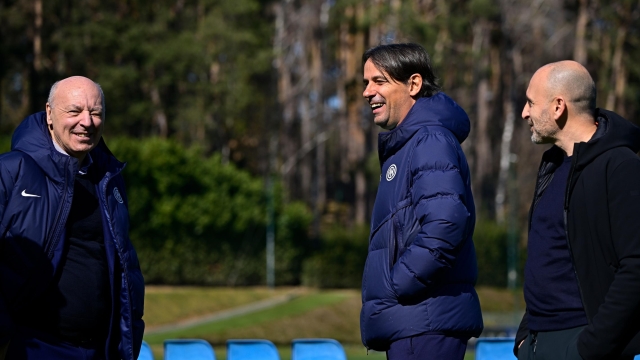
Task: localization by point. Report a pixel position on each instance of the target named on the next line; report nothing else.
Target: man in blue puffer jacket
(418, 296)
(70, 281)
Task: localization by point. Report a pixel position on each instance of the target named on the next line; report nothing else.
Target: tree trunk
(618, 78)
(483, 158)
(361, 199)
(580, 47)
(159, 117)
(306, 137)
(318, 109)
(285, 92)
(506, 156)
(37, 36)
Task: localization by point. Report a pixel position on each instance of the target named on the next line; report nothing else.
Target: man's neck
(581, 131)
(61, 150)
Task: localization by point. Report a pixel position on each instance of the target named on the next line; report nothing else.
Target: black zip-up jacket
(601, 211)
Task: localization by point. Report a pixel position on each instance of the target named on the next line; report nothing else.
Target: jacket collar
(438, 110)
(613, 131)
(32, 137)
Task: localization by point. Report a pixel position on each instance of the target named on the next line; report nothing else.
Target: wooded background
(272, 90)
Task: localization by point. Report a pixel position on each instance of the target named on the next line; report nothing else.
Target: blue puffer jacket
(32, 232)
(421, 268)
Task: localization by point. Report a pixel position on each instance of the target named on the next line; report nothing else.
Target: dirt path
(222, 315)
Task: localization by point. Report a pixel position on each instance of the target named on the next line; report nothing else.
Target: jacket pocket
(376, 279)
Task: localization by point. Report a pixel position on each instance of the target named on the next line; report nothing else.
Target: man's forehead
(74, 86)
(74, 91)
(372, 68)
(537, 80)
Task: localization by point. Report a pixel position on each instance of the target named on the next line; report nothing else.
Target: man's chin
(540, 140)
(83, 150)
(383, 123)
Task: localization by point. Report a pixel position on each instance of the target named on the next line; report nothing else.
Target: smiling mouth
(376, 106)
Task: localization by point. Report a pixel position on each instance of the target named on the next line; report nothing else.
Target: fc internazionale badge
(391, 172)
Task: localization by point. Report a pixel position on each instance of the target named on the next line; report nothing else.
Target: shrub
(490, 240)
(340, 260)
(195, 220)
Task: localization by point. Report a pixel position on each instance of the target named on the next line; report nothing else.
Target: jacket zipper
(566, 228)
(55, 235)
(536, 191)
(120, 255)
(392, 243)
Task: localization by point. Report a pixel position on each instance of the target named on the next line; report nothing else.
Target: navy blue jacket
(421, 267)
(32, 232)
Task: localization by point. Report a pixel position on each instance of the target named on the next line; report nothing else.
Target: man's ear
(559, 107)
(415, 84)
(49, 118)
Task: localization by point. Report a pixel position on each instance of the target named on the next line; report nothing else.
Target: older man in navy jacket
(70, 281)
(418, 294)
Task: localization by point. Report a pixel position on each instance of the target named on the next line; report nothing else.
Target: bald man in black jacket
(582, 277)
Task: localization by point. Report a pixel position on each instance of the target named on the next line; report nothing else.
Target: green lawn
(238, 326)
(168, 304)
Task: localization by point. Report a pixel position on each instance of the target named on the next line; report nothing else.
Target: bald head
(572, 81)
(75, 115)
(75, 81)
(560, 107)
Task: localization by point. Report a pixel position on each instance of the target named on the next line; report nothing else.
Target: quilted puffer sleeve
(438, 197)
(6, 187)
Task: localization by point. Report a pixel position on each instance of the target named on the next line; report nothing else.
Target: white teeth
(375, 106)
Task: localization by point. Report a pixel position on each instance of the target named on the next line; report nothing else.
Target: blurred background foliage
(208, 99)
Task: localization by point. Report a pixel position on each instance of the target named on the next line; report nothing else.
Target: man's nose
(85, 118)
(367, 92)
(525, 111)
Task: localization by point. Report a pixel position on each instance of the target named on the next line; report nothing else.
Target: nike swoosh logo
(24, 193)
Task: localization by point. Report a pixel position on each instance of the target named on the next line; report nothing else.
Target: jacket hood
(613, 131)
(32, 137)
(438, 110)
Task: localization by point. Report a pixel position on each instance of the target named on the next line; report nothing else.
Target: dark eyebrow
(375, 78)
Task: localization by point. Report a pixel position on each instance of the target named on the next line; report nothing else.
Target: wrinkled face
(75, 116)
(538, 112)
(390, 100)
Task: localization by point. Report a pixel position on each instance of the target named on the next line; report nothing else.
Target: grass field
(308, 314)
(169, 304)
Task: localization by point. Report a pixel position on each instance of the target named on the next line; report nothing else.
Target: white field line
(222, 315)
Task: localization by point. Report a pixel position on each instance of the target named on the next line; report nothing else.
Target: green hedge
(197, 221)
(340, 260)
(490, 240)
